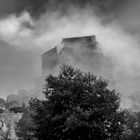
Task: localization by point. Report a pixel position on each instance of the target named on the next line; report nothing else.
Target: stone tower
(81, 52)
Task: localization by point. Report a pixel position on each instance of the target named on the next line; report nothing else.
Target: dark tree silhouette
(78, 106)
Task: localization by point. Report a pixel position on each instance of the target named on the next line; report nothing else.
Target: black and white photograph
(69, 69)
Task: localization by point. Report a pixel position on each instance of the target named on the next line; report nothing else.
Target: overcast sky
(18, 67)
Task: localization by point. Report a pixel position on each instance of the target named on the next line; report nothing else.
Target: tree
(132, 126)
(77, 106)
(24, 125)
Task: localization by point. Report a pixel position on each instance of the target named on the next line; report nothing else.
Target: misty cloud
(16, 30)
(18, 69)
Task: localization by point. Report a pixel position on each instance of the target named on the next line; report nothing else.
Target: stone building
(80, 52)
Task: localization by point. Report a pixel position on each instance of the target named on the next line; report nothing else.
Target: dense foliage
(132, 126)
(24, 126)
(77, 106)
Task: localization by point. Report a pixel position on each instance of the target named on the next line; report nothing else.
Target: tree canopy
(78, 105)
